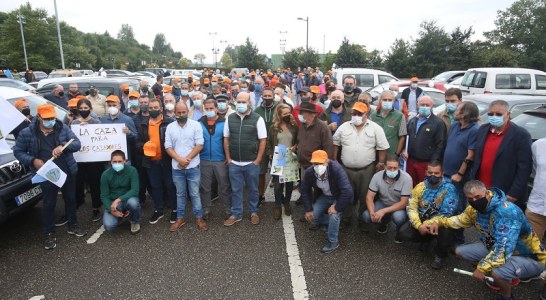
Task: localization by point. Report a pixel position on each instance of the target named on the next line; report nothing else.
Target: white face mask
(301, 119)
(357, 120)
(277, 98)
(112, 110)
(320, 169)
(169, 106)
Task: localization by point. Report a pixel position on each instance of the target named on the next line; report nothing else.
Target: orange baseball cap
(214, 79)
(319, 157)
(134, 94)
(20, 102)
(190, 75)
(314, 89)
(360, 107)
(124, 87)
(176, 79)
(206, 81)
(73, 102)
(414, 79)
(46, 111)
(150, 149)
(252, 73)
(167, 89)
(227, 80)
(79, 97)
(113, 98)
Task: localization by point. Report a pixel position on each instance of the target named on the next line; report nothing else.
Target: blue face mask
(197, 103)
(451, 107)
(424, 111)
(49, 123)
(495, 121)
(244, 89)
(242, 108)
(386, 105)
(118, 167)
(392, 174)
(133, 103)
(257, 87)
(222, 106)
(210, 114)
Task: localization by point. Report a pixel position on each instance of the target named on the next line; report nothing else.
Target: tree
(161, 47)
(299, 57)
(350, 55)
(249, 57)
(398, 60)
(184, 63)
(459, 50)
(126, 34)
(233, 54)
(310, 58)
(226, 61)
(329, 60)
(200, 57)
(431, 50)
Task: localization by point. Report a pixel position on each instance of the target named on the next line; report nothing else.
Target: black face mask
(190, 80)
(433, 180)
(61, 94)
(268, 102)
(154, 113)
(145, 89)
(305, 99)
(84, 113)
(336, 103)
(26, 112)
(347, 89)
(480, 205)
(93, 93)
(286, 119)
(126, 92)
(144, 107)
(331, 88)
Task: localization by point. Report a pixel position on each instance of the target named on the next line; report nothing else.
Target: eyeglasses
(495, 114)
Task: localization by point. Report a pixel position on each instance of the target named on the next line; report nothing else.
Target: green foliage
(398, 60)
(248, 56)
(299, 57)
(226, 61)
(199, 58)
(329, 60)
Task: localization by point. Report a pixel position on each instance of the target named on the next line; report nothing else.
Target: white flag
(53, 173)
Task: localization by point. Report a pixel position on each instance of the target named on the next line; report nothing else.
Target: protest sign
(99, 141)
(285, 164)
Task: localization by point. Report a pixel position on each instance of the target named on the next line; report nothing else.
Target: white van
(503, 81)
(365, 78)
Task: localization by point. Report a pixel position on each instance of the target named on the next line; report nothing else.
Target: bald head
(337, 94)
(258, 80)
(243, 96)
(425, 101)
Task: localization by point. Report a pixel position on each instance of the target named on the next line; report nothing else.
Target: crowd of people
(431, 175)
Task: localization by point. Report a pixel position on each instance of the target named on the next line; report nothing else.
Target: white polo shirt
(183, 139)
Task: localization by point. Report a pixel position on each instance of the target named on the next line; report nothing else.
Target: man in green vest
(245, 137)
(393, 123)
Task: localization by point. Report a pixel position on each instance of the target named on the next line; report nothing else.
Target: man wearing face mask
(503, 156)
(427, 139)
(350, 90)
(176, 88)
(35, 145)
(169, 103)
(256, 95)
(98, 101)
(411, 96)
(124, 97)
(281, 97)
(362, 142)
(224, 109)
(216, 90)
(244, 145)
(115, 116)
(134, 107)
(453, 97)
(315, 96)
(333, 195)
(398, 104)
(73, 90)
(196, 111)
(508, 250)
(433, 198)
(145, 90)
(336, 113)
(392, 121)
(305, 97)
(57, 96)
(23, 106)
(157, 87)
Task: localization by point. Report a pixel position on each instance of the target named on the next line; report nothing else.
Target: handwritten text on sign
(98, 141)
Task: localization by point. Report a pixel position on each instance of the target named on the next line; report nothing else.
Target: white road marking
(96, 235)
(299, 286)
(37, 297)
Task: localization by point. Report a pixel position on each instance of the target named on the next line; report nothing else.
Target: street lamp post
(307, 37)
(214, 50)
(21, 20)
(59, 34)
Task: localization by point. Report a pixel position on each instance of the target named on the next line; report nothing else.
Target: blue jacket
(513, 162)
(213, 148)
(427, 203)
(27, 147)
(340, 186)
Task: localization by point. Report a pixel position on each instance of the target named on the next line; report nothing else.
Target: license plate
(24, 197)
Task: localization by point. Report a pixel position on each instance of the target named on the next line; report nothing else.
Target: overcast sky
(187, 24)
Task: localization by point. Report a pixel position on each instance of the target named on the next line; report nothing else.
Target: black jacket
(143, 137)
(513, 161)
(430, 142)
(406, 92)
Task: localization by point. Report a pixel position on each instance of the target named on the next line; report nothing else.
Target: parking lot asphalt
(244, 261)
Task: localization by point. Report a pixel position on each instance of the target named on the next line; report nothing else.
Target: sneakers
(206, 215)
(382, 228)
(96, 215)
(50, 241)
(231, 220)
(61, 221)
(287, 209)
(135, 228)
(255, 219)
(529, 279)
(278, 213)
(173, 217)
(314, 226)
(201, 224)
(156, 217)
(177, 225)
(330, 247)
(261, 200)
(75, 230)
(438, 263)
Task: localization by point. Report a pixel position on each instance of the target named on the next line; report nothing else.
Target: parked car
(448, 77)
(105, 86)
(517, 103)
(365, 78)
(88, 73)
(18, 84)
(242, 71)
(436, 94)
(17, 192)
(534, 121)
(454, 84)
(156, 71)
(64, 73)
(39, 75)
(504, 81)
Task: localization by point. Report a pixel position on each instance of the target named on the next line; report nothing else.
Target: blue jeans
(239, 176)
(321, 216)
(161, 183)
(132, 205)
(280, 197)
(49, 194)
(187, 181)
(399, 217)
(514, 267)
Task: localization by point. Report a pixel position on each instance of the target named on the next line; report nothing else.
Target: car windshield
(534, 124)
(438, 98)
(15, 84)
(36, 100)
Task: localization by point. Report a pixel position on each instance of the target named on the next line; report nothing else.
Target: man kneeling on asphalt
(433, 198)
(334, 192)
(119, 193)
(508, 250)
(393, 188)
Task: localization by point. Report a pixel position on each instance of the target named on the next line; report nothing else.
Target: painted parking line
(96, 235)
(41, 297)
(299, 285)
